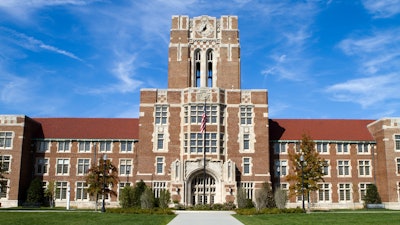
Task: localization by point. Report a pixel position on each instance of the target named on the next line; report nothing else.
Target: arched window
(197, 67)
(209, 68)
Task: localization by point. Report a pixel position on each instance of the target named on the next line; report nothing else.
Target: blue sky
(90, 58)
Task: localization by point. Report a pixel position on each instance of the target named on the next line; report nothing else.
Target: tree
(308, 168)
(147, 199)
(127, 197)
(35, 192)
(139, 189)
(96, 176)
(265, 197)
(372, 195)
(50, 193)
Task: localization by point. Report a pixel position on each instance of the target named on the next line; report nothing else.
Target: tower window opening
(197, 68)
(210, 68)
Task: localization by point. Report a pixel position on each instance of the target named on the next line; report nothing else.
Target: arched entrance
(197, 189)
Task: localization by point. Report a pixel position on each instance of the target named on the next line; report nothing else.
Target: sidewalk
(204, 217)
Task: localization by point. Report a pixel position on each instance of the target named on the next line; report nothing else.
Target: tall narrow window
(159, 165)
(81, 191)
(210, 68)
(83, 166)
(161, 114)
(246, 141)
(61, 190)
(246, 115)
(246, 165)
(5, 162)
(41, 165)
(324, 192)
(160, 141)
(397, 142)
(197, 68)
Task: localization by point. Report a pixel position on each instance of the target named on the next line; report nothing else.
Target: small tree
(307, 172)
(50, 193)
(165, 198)
(372, 195)
(35, 192)
(264, 197)
(147, 199)
(3, 181)
(281, 198)
(242, 200)
(126, 197)
(139, 189)
(100, 177)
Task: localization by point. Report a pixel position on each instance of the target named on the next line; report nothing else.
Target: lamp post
(302, 181)
(103, 207)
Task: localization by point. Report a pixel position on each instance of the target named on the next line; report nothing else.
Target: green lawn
(86, 218)
(336, 218)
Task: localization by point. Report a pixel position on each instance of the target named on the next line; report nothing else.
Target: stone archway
(196, 189)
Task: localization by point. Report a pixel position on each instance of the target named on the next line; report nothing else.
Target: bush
(127, 197)
(280, 198)
(140, 211)
(35, 192)
(372, 195)
(253, 211)
(147, 199)
(265, 197)
(164, 200)
(242, 200)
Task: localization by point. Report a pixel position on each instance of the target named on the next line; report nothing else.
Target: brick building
(240, 146)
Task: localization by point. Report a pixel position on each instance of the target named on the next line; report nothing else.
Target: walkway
(204, 217)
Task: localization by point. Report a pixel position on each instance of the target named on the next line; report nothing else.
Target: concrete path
(204, 218)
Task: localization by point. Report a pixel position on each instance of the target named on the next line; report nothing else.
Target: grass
(79, 217)
(334, 218)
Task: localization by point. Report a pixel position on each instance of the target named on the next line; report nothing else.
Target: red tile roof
(320, 129)
(90, 128)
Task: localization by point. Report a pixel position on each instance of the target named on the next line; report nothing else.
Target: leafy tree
(265, 197)
(147, 199)
(281, 198)
(165, 198)
(35, 192)
(126, 197)
(307, 173)
(50, 193)
(101, 177)
(372, 195)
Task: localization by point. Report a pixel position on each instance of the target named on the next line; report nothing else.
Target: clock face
(204, 28)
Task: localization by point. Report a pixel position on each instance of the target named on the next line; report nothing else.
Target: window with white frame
(344, 192)
(159, 165)
(125, 166)
(41, 165)
(43, 146)
(323, 148)
(342, 148)
(246, 165)
(158, 187)
(84, 146)
(81, 191)
(397, 142)
(280, 147)
(83, 166)
(324, 192)
(6, 139)
(160, 141)
(197, 111)
(5, 161)
(398, 165)
(105, 146)
(62, 166)
(246, 142)
(197, 145)
(246, 114)
(161, 114)
(126, 146)
(63, 146)
(281, 167)
(248, 188)
(364, 167)
(343, 167)
(3, 188)
(362, 148)
(326, 168)
(363, 190)
(61, 190)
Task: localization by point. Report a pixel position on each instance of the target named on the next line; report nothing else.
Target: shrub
(35, 192)
(265, 197)
(372, 195)
(127, 197)
(165, 198)
(280, 198)
(242, 200)
(147, 199)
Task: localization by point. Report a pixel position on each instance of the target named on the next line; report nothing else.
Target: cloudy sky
(90, 58)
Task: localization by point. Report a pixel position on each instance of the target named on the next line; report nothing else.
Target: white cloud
(382, 8)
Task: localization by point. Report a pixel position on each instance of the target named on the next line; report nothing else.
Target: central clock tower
(204, 52)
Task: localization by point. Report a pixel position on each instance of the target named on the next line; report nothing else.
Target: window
(209, 68)
(246, 141)
(344, 167)
(3, 188)
(126, 146)
(342, 148)
(398, 165)
(344, 192)
(61, 190)
(279, 147)
(84, 146)
(41, 165)
(6, 139)
(160, 141)
(246, 165)
(281, 167)
(125, 166)
(248, 189)
(362, 148)
(363, 190)
(105, 146)
(197, 145)
(397, 142)
(197, 69)
(43, 146)
(161, 114)
(83, 166)
(196, 113)
(322, 148)
(159, 165)
(5, 161)
(81, 191)
(324, 193)
(246, 115)
(325, 168)
(364, 168)
(62, 166)
(157, 187)
(63, 146)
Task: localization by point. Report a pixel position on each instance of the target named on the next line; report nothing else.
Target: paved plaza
(204, 217)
